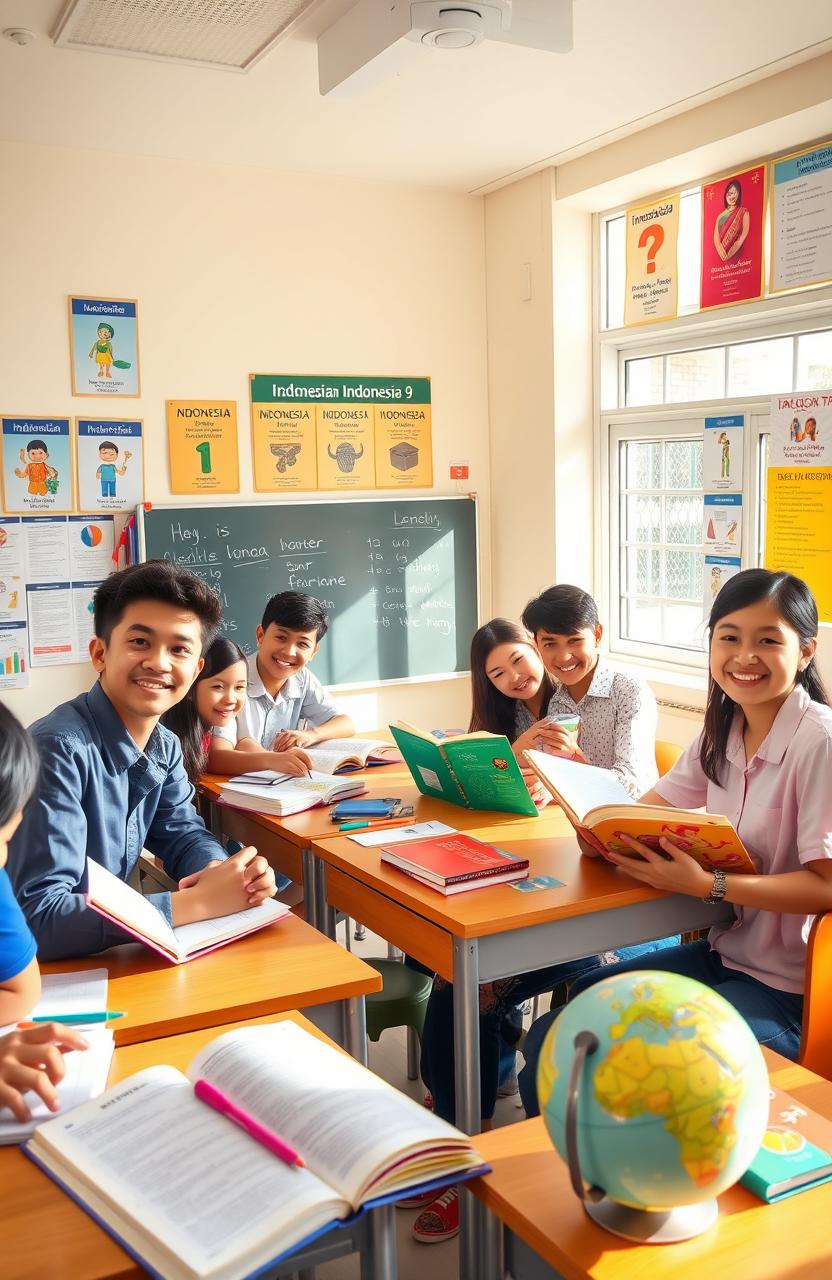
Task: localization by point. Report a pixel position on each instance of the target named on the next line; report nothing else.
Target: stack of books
(455, 863)
(281, 794)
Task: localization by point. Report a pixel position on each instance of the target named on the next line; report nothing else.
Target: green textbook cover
(474, 770)
(790, 1158)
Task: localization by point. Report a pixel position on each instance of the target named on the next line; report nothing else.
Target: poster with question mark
(651, 275)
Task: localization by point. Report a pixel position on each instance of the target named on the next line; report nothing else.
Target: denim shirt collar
(115, 744)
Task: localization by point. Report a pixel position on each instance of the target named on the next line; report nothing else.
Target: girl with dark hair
(216, 698)
(764, 759)
(29, 1060)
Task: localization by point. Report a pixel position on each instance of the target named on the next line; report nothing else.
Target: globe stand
(645, 1226)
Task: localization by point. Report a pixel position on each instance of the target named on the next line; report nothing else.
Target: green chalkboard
(398, 576)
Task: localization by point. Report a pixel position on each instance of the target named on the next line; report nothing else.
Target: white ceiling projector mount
(376, 38)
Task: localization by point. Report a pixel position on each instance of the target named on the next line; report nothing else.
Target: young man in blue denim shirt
(112, 780)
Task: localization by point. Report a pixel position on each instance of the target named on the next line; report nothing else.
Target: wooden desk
(289, 965)
(46, 1236)
(548, 1235)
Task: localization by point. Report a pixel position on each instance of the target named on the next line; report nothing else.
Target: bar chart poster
(801, 219)
(14, 655)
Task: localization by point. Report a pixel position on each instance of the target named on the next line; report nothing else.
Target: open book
(281, 794)
(343, 755)
(123, 906)
(474, 770)
(198, 1198)
(601, 811)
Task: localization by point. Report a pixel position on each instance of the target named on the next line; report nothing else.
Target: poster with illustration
(651, 278)
(732, 238)
(104, 346)
(37, 465)
(202, 446)
(801, 430)
(110, 463)
(722, 454)
(718, 569)
(722, 532)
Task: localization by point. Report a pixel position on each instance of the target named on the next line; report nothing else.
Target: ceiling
(461, 120)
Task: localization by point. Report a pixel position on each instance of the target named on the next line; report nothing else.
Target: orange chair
(667, 753)
(816, 1040)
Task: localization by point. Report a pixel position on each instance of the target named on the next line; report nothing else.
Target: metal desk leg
(378, 1258)
(355, 1028)
(310, 888)
(467, 1086)
(492, 1246)
(326, 914)
(211, 816)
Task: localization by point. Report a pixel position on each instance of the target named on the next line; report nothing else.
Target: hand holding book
(671, 870)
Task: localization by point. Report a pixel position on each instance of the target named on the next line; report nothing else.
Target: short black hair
(562, 609)
(158, 580)
(296, 612)
(107, 444)
(37, 444)
(19, 765)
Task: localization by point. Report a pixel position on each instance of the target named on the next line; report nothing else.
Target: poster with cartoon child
(37, 470)
(109, 458)
(104, 345)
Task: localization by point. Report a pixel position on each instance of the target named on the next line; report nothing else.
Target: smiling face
(281, 652)
(515, 669)
(571, 659)
(38, 454)
(220, 698)
(107, 454)
(149, 663)
(732, 194)
(755, 657)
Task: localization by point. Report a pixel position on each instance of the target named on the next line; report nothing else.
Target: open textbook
(200, 1199)
(474, 770)
(123, 906)
(281, 794)
(601, 811)
(342, 755)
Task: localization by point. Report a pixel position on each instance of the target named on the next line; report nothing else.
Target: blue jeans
(108, 488)
(496, 1001)
(774, 1016)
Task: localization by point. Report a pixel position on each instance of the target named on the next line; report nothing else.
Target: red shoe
(427, 1101)
(440, 1221)
(420, 1201)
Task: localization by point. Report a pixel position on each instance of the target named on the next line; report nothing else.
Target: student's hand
(547, 736)
(33, 1061)
(242, 881)
(677, 872)
(188, 882)
(293, 761)
(294, 738)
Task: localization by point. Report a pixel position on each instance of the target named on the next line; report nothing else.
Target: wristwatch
(718, 889)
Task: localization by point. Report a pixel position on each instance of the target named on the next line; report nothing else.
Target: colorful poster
(91, 542)
(11, 545)
(722, 454)
(104, 346)
(14, 655)
(37, 465)
(202, 446)
(324, 432)
(799, 492)
(732, 238)
(51, 628)
(109, 458)
(801, 219)
(722, 531)
(718, 569)
(651, 271)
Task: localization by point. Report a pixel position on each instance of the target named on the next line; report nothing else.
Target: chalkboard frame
(391, 499)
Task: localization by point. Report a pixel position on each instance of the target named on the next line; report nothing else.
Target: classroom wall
(238, 270)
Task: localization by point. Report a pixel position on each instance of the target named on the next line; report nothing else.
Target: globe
(674, 1101)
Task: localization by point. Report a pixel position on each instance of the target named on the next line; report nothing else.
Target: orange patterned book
(601, 811)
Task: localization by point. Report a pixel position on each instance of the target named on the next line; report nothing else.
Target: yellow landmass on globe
(689, 1078)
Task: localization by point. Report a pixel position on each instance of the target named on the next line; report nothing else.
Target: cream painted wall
(239, 270)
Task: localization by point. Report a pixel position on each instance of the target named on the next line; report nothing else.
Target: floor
(388, 1057)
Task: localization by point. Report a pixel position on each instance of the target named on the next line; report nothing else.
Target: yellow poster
(799, 529)
(651, 272)
(346, 446)
(202, 446)
(283, 447)
(403, 447)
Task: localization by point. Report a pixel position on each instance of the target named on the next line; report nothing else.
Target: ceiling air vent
(228, 35)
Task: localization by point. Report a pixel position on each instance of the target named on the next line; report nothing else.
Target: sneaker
(440, 1221)
(509, 1087)
(420, 1201)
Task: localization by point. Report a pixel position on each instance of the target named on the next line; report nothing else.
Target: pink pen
(217, 1100)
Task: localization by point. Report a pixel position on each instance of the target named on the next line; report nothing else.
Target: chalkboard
(398, 576)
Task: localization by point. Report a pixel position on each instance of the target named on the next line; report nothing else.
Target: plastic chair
(816, 1038)
(667, 753)
(401, 1002)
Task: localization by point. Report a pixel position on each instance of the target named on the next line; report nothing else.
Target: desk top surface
(529, 1190)
(45, 1234)
(288, 965)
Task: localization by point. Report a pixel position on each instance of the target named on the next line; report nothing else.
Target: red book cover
(450, 859)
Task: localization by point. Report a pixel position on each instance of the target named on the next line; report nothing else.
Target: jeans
(774, 1016)
(496, 1001)
(108, 488)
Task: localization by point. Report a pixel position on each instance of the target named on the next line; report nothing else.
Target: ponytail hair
(796, 605)
(492, 710)
(184, 719)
